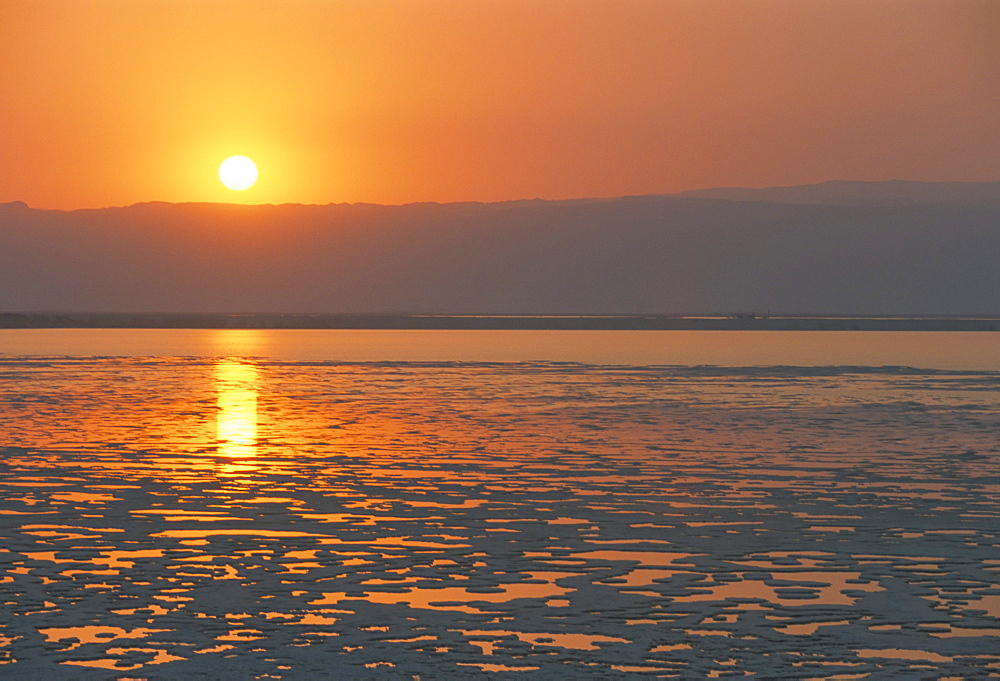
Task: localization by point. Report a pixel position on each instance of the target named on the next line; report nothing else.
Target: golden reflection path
(236, 419)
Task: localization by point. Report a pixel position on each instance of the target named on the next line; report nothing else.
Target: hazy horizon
(834, 248)
(504, 156)
(911, 190)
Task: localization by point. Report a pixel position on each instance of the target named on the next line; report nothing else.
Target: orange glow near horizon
(111, 102)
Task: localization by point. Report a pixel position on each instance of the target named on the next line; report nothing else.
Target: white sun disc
(238, 173)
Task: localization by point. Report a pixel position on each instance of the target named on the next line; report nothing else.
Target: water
(390, 504)
(923, 349)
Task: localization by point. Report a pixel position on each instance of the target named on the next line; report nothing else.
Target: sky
(110, 103)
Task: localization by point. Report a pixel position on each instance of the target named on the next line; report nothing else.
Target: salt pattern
(445, 519)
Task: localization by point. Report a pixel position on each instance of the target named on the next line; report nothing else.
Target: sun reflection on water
(236, 421)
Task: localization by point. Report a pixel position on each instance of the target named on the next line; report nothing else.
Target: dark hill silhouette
(846, 193)
(654, 254)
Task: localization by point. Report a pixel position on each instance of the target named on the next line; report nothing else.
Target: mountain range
(832, 248)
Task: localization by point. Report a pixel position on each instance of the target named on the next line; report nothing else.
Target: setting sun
(238, 173)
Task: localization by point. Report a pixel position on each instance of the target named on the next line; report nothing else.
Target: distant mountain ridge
(843, 192)
(832, 192)
(835, 248)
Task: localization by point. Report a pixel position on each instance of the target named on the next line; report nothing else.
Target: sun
(238, 173)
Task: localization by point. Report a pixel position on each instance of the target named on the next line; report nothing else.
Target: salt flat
(195, 517)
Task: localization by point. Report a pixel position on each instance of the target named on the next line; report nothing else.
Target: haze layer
(850, 248)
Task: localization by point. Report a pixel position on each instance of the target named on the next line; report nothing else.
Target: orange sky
(390, 101)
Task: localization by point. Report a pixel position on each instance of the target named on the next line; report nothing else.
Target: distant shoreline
(736, 322)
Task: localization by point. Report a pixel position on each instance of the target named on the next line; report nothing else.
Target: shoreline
(498, 322)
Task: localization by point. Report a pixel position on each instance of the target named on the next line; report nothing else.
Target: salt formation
(446, 519)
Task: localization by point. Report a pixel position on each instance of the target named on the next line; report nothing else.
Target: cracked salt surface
(274, 519)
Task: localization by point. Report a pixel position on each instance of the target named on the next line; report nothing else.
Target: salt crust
(443, 520)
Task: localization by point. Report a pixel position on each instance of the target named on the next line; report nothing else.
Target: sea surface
(451, 504)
